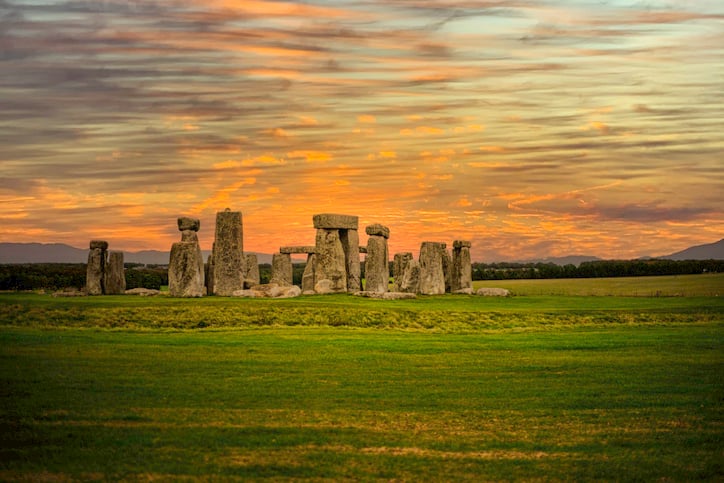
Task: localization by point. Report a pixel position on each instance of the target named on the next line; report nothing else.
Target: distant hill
(710, 251)
(62, 253)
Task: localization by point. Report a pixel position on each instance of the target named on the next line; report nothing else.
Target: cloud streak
(484, 120)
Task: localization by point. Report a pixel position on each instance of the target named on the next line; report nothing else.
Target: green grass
(582, 388)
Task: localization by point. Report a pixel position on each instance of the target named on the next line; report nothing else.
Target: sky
(531, 128)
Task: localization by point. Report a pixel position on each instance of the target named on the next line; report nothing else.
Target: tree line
(594, 269)
(59, 276)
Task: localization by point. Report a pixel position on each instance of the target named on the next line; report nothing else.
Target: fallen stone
(464, 291)
(185, 223)
(269, 290)
(493, 292)
(385, 295)
(69, 293)
(378, 230)
(143, 292)
(324, 286)
(298, 249)
(331, 221)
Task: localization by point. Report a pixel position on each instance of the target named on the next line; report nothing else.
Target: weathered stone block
(493, 292)
(447, 269)
(185, 270)
(94, 280)
(461, 244)
(377, 272)
(101, 244)
(298, 249)
(378, 230)
(252, 276)
(308, 276)
(410, 281)
(228, 253)
(399, 265)
(186, 223)
(350, 246)
(189, 236)
(282, 272)
(331, 221)
(432, 276)
(115, 278)
(331, 263)
(462, 270)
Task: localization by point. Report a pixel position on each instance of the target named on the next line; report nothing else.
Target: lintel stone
(462, 243)
(186, 223)
(308, 249)
(102, 244)
(331, 221)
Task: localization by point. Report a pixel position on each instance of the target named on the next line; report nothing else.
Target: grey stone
(115, 278)
(308, 276)
(493, 292)
(432, 276)
(189, 236)
(186, 270)
(269, 290)
(331, 221)
(94, 279)
(386, 295)
(399, 265)
(102, 244)
(464, 291)
(251, 264)
(378, 230)
(282, 271)
(298, 249)
(228, 253)
(331, 263)
(350, 246)
(185, 223)
(462, 269)
(410, 282)
(68, 293)
(324, 286)
(377, 271)
(209, 272)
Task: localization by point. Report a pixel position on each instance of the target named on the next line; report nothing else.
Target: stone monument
(462, 269)
(336, 261)
(115, 278)
(432, 276)
(95, 270)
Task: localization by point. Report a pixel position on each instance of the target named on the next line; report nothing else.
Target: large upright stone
(447, 269)
(282, 271)
(432, 276)
(228, 253)
(94, 279)
(308, 276)
(399, 265)
(462, 269)
(331, 264)
(410, 280)
(377, 272)
(350, 245)
(252, 276)
(186, 270)
(209, 273)
(115, 277)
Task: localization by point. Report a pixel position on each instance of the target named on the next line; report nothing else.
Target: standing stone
(410, 280)
(228, 253)
(447, 269)
(399, 265)
(115, 277)
(252, 276)
(331, 265)
(377, 271)
(432, 276)
(462, 269)
(185, 270)
(282, 272)
(209, 273)
(95, 270)
(308, 276)
(350, 245)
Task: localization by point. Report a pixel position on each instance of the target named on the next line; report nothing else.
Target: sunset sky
(532, 128)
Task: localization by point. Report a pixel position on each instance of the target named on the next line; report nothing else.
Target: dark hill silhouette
(710, 251)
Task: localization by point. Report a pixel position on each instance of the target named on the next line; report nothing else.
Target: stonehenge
(186, 263)
(333, 264)
(105, 273)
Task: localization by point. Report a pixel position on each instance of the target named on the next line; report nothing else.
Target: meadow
(559, 382)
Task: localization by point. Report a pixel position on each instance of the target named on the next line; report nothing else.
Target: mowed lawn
(528, 388)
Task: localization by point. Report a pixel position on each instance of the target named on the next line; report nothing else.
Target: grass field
(531, 387)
